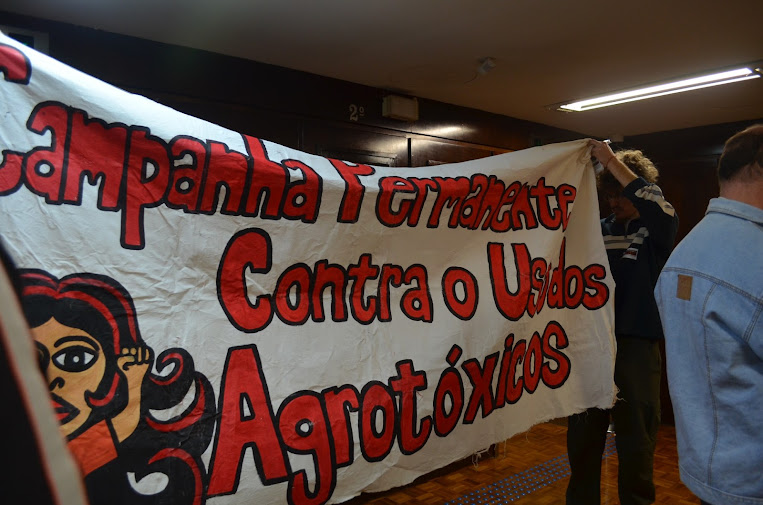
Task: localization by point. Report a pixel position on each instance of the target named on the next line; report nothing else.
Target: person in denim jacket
(710, 297)
(638, 235)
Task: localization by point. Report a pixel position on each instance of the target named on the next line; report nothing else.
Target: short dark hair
(742, 155)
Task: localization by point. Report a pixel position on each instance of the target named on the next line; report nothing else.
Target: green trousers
(636, 418)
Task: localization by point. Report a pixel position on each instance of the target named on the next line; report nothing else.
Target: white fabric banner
(222, 319)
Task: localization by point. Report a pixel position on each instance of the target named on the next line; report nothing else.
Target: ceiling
(545, 51)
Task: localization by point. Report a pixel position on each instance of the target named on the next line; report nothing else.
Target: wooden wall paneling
(478, 127)
(425, 152)
(666, 404)
(688, 143)
(348, 143)
(284, 129)
(689, 185)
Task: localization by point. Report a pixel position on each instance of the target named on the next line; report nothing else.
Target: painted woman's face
(73, 363)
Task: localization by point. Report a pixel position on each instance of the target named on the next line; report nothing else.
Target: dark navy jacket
(637, 251)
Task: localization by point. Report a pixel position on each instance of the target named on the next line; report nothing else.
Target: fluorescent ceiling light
(739, 74)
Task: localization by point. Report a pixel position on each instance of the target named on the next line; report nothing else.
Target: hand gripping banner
(224, 320)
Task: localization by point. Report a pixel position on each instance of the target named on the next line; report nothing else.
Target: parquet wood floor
(533, 463)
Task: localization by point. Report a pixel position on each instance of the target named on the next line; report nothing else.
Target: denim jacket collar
(736, 209)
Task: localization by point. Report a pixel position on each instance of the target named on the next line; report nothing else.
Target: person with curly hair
(105, 395)
(638, 236)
